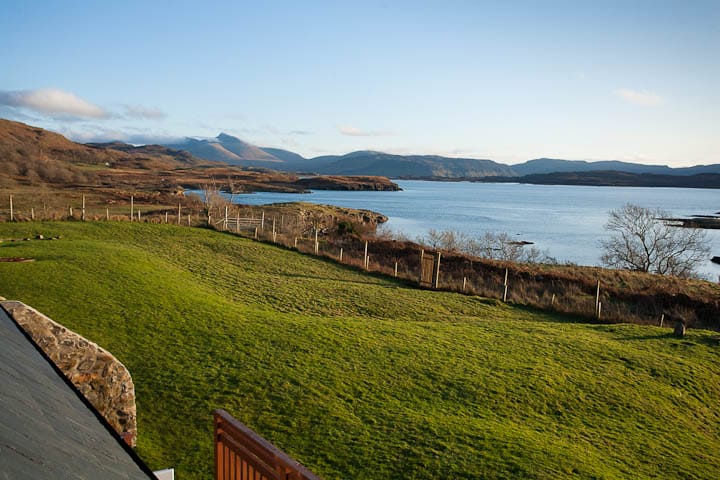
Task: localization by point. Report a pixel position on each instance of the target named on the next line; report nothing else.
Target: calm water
(567, 221)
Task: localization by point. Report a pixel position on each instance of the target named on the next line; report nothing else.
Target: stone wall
(99, 376)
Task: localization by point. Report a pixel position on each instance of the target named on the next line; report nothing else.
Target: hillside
(406, 166)
(33, 154)
(228, 149)
(37, 163)
(602, 178)
(549, 165)
(359, 376)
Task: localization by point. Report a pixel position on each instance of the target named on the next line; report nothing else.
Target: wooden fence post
(107, 213)
(422, 257)
(436, 277)
(70, 211)
(365, 256)
(274, 233)
(179, 208)
(256, 233)
(597, 300)
(188, 219)
(138, 215)
(82, 217)
(132, 207)
(225, 223)
(662, 319)
(237, 222)
(341, 255)
(464, 283)
(317, 245)
(396, 265)
(599, 309)
(32, 213)
(505, 284)
(166, 217)
(12, 213)
(295, 242)
(262, 221)
(552, 300)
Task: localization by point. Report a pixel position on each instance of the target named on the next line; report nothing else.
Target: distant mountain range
(232, 150)
(31, 152)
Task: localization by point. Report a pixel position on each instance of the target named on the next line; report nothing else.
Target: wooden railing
(241, 454)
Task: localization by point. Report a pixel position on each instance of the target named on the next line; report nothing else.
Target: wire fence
(593, 299)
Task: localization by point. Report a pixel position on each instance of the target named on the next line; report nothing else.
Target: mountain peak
(224, 137)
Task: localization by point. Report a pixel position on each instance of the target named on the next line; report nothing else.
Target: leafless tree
(448, 240)
(645, 241)
(496, 246)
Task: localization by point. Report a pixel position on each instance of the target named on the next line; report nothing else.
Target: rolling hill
(407, 166)
(551, 165)
(359, 376)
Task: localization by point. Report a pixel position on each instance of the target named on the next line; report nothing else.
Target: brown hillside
(30, 154)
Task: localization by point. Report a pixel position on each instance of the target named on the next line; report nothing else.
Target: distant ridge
(52, 157)
(551, 165)
(371, 163)
(232, 150)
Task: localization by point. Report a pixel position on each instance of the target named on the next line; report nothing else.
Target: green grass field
(358, 376)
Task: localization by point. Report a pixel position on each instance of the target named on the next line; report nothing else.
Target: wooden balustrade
(242, 454)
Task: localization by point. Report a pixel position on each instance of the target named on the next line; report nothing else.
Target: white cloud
(52, 102)
(356, 132)
(85, 133)
(140, 112)
(639, 97)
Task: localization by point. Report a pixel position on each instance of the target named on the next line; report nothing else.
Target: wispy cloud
(639, 97)
(357, 132)
(85, 133)
(144, 113)
(52, 102)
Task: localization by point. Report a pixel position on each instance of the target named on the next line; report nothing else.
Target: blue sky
(506, 80)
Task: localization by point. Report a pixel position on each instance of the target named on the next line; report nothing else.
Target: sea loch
(566, 221)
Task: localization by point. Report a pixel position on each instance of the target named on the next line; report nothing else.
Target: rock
(40, 237)
(97, 374)
(715, 259)
(679, 329)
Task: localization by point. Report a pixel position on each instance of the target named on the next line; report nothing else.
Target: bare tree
(645, 241)
(501, 246)
(496, 246)
(448, 240)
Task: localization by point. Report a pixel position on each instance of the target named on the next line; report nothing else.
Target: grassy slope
(361, 377)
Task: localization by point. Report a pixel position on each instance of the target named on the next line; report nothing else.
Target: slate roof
(47, 430)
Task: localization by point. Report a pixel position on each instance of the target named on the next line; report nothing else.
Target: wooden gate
(429, 269)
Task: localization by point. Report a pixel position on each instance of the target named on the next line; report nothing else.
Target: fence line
(420, 267)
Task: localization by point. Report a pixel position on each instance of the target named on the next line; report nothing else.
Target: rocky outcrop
(355, 183)
(96, 373)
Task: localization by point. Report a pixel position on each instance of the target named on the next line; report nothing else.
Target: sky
(505, 80)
